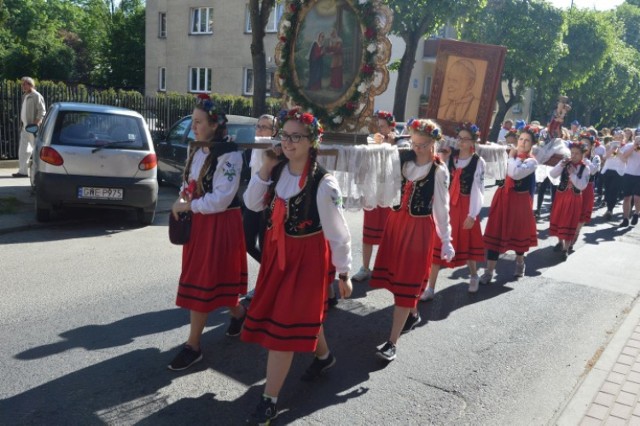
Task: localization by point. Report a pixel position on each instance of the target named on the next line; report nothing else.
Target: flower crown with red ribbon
(533, 131)
(387, 116)
(578, 145)
(426, 127)
(471, 128)
(312, 124)
(588, 136)
(511, 132)
(204, 102)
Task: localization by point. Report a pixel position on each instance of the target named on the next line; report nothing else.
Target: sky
(599, 4)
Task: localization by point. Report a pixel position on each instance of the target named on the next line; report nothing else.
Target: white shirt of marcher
(329, 201)
(633, 161)
(518, 169)
(226, 181)
(614, 162)
(440, 204)
(579, 182)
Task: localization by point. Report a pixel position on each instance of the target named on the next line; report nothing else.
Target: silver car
(94, 155)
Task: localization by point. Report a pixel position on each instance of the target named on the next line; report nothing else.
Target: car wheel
(43, 212)
(146, 217)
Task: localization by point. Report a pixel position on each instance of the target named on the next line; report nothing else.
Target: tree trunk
(404, 75)
(259, 12)
(503, 108)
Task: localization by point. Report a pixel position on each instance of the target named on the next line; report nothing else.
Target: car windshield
(93, 129)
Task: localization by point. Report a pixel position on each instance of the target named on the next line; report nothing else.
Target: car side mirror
(32, 128)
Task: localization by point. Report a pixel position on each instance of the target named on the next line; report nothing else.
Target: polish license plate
(93, 193)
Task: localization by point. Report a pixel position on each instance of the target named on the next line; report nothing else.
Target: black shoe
(411, 322)
(571, 250)
(185, 359)
(565, 255)
(607, 215)
(19, 175)
(387, 352)
(558, 247)
(625, 223)
(634, 219)
(235, 326)
(318, 367)
(333, 301)
(249, 295)
(537, 214)
(264, 413)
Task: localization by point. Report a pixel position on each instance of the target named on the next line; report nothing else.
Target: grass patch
(8, 205)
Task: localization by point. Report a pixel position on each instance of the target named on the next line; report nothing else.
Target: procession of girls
(306, 235)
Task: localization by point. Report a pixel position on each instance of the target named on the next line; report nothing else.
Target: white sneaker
(427, 295)
(474, 283)
(486, 278)
(362, 274)
(519, 272)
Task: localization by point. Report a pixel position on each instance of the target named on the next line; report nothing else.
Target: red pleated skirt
(588, 196)
(565, 214)
(511, 224)
(214, 262)
(288, 306)
(467, 243)
(403, 262)
(374, 222)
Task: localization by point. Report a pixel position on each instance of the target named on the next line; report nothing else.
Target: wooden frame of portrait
(331, 58)
(465, 84)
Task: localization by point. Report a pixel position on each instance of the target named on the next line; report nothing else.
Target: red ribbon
(454, 189)
(406, 196)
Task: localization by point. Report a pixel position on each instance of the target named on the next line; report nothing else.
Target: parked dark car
(172, 151)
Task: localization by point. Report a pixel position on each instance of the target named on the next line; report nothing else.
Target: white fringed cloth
(368, 175)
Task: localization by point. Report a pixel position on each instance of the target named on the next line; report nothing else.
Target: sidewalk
(17, 211)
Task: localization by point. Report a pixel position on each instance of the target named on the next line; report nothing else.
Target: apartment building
(203, 46)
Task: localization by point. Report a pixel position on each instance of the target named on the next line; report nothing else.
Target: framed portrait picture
(332, 58)
(465, 84)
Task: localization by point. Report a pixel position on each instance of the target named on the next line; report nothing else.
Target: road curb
(586, 390)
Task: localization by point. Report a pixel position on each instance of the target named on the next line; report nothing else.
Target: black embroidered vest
(466, 177)
(524, 184)
(297, 224)
(564, 179)
(421, 197)
(219, 149)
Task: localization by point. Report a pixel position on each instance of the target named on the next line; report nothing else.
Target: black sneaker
(235, 326)
(411, 322)
(185, 359)
(571, 250)
(387, 352)
(264, 413)
(565, 255)
(634, 219)
(333, 301)
(625, 223)
(558, 247)
(318, 367)
(607, 215)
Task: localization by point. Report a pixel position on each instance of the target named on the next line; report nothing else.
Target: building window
(517, 108)
(162, 25)
(247, 87)
(202, 20)
(162, 79)
(200, 80)
(274, 19)
(427, 87)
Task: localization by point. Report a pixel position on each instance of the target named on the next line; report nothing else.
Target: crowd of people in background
(293, 224)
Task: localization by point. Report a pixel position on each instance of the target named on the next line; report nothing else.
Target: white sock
(273, 399)
(323, 357)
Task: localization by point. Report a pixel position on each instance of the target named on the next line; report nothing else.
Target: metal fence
(160, 111)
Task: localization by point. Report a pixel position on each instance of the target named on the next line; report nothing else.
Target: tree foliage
(414, 20)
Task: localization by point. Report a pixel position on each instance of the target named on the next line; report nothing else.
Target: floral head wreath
(471, 128)
(204, 102)
(588, 136)
(387, 116)
(533, 131)
(312, 124)
(511, 132)
(426, 127)
(578, 145)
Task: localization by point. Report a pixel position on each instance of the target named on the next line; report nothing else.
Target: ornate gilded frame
(350, 110)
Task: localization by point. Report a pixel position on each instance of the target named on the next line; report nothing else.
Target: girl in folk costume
(466, 197)
(374, 220)
(404, 258)
(304, 217)
(511, 224)
(592, 162)
(567, 210)
(214, 263)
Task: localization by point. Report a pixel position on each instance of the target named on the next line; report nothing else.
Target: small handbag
(180, 229)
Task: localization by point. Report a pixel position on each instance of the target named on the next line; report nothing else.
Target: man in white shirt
(506, 126)
(630, 153)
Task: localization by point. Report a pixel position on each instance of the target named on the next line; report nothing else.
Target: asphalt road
(88, 324)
